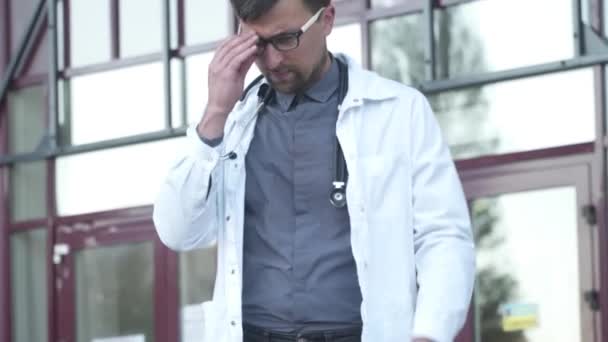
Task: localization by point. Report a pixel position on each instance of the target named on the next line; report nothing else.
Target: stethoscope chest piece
(337, 197)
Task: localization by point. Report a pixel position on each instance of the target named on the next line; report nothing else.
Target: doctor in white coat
(404, 264)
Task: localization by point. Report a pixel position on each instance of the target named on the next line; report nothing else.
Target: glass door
(536, 259)
(105, 283)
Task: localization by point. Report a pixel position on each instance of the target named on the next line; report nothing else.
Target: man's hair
(249, 10)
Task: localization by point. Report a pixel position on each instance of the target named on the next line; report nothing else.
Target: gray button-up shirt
(298, 268)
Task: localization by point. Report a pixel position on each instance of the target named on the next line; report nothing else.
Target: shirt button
(228, 218)
(233, 323)
(232, 271)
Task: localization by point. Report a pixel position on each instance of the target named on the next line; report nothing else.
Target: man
(395, 263)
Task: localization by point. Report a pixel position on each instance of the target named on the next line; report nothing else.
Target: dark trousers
(257, 334)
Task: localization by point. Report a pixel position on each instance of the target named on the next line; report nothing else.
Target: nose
(271, 57)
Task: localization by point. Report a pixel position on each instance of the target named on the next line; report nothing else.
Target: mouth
(280, 75)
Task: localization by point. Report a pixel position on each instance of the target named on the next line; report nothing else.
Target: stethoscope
(337, 196)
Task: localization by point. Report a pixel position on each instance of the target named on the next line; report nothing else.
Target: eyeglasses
(289, 40)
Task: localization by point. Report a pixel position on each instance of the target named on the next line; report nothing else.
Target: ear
(328, 18)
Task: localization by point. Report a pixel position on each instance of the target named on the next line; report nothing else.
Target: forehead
(286, 15)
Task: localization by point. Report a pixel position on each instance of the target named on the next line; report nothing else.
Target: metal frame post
(166, 52)
(5, 296)
(53, 99)
(578, 30)
(429, 39)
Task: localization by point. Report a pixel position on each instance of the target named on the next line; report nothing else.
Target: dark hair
(249, 10)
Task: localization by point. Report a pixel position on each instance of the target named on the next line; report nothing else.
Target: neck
(320, 70)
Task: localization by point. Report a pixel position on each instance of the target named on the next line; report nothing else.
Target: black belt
(258, 334)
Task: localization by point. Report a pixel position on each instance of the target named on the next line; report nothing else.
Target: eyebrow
(278, 34)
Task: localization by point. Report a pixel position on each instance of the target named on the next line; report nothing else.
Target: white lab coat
(409, 219)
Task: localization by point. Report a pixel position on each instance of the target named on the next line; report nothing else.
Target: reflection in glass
(513, 116)
(115, 292)
(89, 31)
(207, 23)
(117, 103)
(20, 12)
(140, 27)
(197, 270)
(28, 191)
(114, 178)
(197, 275)
(397, 48)
(29, 286)
(346, 39)
(528, 258)
(26, 119)
(481, 36)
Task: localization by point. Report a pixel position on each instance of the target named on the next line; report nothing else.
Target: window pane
(117, 103)
(398, 49)
(197, 69)
(26, 119)
(528, 261)
(89, 31)
(114, 292)
(29, 286)
(115, 178)
(140, 27)
(346, 39)
(205, 22)
(178, 84)
(482, 35)
(28, 191)
(516, 115)
(196, 278)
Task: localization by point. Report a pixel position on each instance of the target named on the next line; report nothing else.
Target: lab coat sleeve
(185, 211)
(443, 241)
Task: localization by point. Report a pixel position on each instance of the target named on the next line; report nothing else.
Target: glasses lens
(285, 42)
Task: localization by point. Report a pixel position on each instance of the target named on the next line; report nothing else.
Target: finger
(234, 59)
(246, 65)
(230, 44)
(242, 62)
(231, 50)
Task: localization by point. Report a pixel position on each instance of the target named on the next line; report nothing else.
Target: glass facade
(520, 250)
(114, 293)
(116, 104)
(480, 36)
(514, 97)
(28, 251)
(90, 32)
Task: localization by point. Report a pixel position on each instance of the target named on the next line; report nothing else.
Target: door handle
(592, 297)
